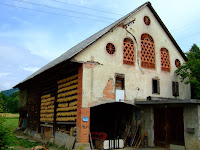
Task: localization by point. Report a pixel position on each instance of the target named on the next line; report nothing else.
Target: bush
(6, 135)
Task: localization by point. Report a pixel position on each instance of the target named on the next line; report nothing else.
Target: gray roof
(87, 42)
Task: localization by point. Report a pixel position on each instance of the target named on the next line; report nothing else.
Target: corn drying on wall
(67, 99)
(47, 108)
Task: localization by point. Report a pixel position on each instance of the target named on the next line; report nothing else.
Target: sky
(35, 32)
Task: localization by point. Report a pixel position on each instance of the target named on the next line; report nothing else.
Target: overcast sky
(32, 37)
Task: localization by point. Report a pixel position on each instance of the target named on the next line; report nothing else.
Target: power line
(52, 13)
(57, 8)
(86, 7)
(183, 27)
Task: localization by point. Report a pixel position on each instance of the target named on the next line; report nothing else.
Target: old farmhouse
(117, 84)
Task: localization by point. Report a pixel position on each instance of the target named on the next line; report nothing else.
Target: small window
(175, 89)
(177, 63)
(155, 86)
(110, 48)
(119, 84)
(147, 20)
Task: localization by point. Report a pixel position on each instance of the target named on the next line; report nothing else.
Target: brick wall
(108, 92)
(83, 128)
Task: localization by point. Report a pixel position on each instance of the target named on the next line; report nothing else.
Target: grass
(11, 120)
(25, 143)
(9, 115)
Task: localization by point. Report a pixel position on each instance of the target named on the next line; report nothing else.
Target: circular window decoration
(147, 20)
(177, 63)
(110, 48)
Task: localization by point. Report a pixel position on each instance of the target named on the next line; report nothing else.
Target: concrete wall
(148, 119)
(191, 116)
(96, 76)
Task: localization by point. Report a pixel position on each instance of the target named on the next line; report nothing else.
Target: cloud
(7, 85)
(4, 74)
(31, 69)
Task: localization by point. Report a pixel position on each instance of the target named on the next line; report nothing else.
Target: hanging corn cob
(67, 99)
(47, 108)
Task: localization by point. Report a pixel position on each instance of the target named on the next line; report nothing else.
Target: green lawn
(12, 122)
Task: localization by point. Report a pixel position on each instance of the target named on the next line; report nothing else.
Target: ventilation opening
(147, 20)
(129, 52)
(155, 86)
(165, 61)
(147, 51)
(110, 48)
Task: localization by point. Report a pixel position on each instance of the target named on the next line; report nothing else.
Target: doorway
(168, 126)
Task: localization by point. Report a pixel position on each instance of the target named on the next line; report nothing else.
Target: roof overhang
(168, 101)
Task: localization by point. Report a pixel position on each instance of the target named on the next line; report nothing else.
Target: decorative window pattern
(110, 48)
(165, 61)
(147, 52)
(129, 52)
(147, 20)
(177, 63)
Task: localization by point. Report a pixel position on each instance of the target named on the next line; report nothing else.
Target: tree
(2, 102)
(189, 72)
(13, 103)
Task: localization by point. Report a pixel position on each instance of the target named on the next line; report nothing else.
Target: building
(121, 77)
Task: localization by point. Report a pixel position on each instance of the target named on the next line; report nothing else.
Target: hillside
(10, 91)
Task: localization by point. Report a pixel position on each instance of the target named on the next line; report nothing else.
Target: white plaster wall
(95, 79)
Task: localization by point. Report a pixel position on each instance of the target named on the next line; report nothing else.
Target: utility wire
(189, 36)
(86, 7)
(184, 27)
(57, 8)
(52, 13)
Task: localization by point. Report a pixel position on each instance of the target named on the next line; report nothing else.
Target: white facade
(138, 80)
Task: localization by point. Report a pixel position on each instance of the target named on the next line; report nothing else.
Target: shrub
(6, 135)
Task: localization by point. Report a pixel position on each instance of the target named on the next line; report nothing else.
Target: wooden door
(160, 132)
(47, 133)
(168, 126)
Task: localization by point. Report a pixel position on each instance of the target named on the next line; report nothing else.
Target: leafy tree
(2, 102)
(189, 72)
(13, 103)
(9, 103)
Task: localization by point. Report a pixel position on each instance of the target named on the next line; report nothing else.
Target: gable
(135, 31)
(138, 74)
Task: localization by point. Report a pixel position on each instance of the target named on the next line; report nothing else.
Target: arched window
(129, 52)
(147, 51)
(165, 61)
